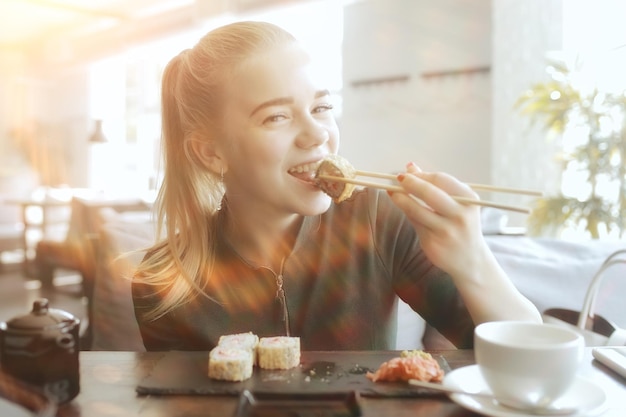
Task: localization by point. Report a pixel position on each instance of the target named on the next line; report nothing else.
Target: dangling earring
(219, 205)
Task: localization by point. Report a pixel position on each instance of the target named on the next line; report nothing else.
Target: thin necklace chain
(282, 298)
(280, 290)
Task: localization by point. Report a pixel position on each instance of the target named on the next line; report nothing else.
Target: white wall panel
(435, 106)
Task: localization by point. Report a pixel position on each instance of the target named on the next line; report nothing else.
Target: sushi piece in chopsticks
(335, 166)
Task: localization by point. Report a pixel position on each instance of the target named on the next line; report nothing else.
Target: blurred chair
(124, 239)
(17, 185)
(79, 251)
(11, 230)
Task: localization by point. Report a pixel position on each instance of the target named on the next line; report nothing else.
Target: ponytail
(190, 194)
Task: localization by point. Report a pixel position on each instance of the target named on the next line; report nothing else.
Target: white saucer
(586, 397)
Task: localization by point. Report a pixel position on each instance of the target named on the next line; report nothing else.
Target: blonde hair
(191, 194)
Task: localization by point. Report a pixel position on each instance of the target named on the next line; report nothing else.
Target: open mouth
(305, 172)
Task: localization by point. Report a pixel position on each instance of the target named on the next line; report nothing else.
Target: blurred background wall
(432, 82)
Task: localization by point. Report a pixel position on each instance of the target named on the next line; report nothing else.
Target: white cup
(527, 364)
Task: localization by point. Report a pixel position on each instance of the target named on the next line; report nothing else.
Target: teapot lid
(41, 317)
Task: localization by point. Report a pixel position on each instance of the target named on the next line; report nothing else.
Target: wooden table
(108, 381)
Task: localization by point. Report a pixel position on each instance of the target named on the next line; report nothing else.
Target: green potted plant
(559, 105)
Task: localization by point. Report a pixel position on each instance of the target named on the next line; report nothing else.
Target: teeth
(305, 168)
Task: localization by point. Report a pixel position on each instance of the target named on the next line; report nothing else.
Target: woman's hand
(450, 232)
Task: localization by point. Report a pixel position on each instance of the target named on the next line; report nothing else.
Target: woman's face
(278, 123)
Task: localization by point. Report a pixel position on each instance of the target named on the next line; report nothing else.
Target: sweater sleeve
(427, 289)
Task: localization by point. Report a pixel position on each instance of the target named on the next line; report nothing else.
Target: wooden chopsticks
(474, 186)
(398, 189)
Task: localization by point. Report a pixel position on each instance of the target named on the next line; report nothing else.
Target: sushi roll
(247, 341)
(230, 364)
(280, 352)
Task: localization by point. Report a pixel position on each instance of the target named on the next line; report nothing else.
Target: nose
(312, 134)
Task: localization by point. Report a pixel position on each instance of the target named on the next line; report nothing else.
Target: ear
(208, 154)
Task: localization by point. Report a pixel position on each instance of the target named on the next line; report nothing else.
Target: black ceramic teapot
(41, 348)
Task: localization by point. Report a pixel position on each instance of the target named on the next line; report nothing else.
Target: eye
(322, 108)
(275, 118)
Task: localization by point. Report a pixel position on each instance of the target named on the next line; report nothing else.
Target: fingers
(436, 190)
(447, 229)
(443, 181)
(429, 201)
(412, 168)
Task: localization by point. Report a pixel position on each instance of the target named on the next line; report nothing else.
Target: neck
(260, 239)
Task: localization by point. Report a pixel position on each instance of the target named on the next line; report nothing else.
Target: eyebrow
(284, 100)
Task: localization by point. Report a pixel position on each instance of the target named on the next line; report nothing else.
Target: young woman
(251, 244)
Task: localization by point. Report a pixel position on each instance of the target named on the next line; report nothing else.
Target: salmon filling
(410, 365)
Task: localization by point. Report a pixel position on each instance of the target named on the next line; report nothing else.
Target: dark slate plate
(319, 372)
(281, 405)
